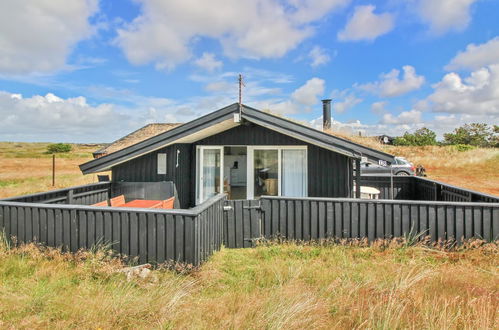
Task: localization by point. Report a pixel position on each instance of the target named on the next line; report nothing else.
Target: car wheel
(402, 173)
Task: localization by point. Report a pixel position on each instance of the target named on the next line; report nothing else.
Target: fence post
(70, 199)
(438, 192)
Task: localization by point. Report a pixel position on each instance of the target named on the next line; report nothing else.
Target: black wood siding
(329, 173)
(144, 169)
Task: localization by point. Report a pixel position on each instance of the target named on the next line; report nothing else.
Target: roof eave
(158, 141)
(334, 143)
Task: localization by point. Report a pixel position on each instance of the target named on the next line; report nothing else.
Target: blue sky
(92, 71)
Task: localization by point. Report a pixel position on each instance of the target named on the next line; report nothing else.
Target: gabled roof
(222, 120)
(141, 134)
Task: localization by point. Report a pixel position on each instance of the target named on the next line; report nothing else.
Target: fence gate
(242, 223)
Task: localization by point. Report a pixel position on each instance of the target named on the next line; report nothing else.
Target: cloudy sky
(92, 71)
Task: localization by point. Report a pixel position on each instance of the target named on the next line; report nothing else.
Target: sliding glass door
(277, 171)
(209, 169)
(266, 173)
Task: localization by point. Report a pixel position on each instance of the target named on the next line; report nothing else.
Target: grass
(475, 169)
(27, 168)
(273, 286)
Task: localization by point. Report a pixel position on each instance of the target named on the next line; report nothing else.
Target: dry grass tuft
(273, 286)
(26, 168)
(474, 169)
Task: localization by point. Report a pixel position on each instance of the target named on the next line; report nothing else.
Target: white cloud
(51, 117)
(476, 56)
(208, 62)
(366, 25)
(302, 99)
(445, 15)
(165, 31)
(219, 86)
(37, 36)
(309, 93)
(318, 56)
(348, 100)
(406, 117)
(391, 85)
(349, 128)
(477, 94)
(379, 107)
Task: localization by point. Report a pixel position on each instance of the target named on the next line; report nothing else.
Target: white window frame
(199, 161)
(250, 185)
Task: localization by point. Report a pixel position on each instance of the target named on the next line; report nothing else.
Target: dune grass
(475, 169)
(273, 286)
(27, 168)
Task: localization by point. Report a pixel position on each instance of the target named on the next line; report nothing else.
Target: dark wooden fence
(97, 192)
(322, 218)
(402, 186)
(425, 189)
(155, 236)
(79, 195)
(191, 235)
(242, 222)
(417, 188)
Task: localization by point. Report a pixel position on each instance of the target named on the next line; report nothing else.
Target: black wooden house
(245, 153)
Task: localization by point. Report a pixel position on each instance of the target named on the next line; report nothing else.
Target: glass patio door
(277, 171)
(209, 172)
(266, 173)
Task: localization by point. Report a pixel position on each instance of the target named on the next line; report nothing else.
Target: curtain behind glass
(211, 173)
(294, 178)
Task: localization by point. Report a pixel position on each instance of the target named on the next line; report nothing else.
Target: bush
(475, 134)
(421, 137)
(463, 147)
(59, 147)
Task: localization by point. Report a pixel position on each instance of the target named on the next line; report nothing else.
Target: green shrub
(475, 134)
(59, 147)
(421, 137)
(463, 147)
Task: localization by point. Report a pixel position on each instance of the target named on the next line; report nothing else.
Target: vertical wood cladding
(328, 172)
(144, 169)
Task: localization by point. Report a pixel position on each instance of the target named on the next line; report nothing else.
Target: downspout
(358, 176)
(391, 181)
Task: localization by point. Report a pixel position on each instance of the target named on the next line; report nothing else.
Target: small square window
(161, 163)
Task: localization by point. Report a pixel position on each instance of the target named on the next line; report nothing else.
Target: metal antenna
(241, 85)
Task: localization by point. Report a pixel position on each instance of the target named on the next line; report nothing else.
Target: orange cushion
(118, 200)
(168, 203)
(103, 203)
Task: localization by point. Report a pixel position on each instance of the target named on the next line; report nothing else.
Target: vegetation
(59, 147)
(27, 168)
(475, 134)
(463, 147)
(388, 285)
(475, 168)
(292, 286)
(421, 137)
